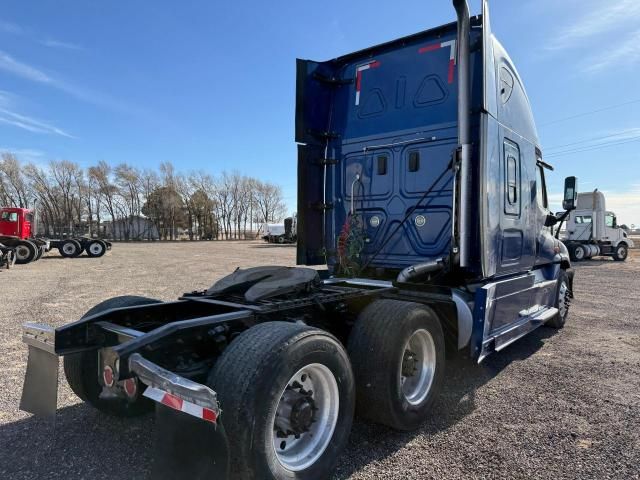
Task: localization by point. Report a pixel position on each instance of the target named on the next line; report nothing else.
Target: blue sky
(210, 85)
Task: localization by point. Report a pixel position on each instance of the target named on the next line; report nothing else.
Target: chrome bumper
(39, 394)
(174, 391)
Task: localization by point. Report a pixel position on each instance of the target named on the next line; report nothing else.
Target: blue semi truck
(422, 189)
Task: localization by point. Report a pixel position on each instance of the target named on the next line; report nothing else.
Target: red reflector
(107, 376)
(172, 401)
(130, 387)
(451, 67)
(429, 48)
(209, 415)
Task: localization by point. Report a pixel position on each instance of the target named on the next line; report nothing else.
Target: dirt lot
(554, 405)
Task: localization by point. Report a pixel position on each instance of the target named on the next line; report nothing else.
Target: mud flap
(40, 390)
(188, 447)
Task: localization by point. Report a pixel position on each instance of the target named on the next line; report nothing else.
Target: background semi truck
(286, 232)
(422, 190)
(18, 228)
(593, 231)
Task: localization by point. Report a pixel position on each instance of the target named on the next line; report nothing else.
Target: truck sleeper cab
(422, 188)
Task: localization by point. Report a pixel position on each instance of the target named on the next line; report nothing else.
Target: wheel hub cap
(563, 301)
(305, 417)
(418, 367)
(295, 412)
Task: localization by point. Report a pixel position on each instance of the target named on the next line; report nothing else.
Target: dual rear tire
(288, 391)
(70, 248)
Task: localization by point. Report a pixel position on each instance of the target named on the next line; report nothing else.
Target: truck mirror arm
(559, 219)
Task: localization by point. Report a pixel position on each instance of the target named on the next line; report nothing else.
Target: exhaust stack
(464, 133)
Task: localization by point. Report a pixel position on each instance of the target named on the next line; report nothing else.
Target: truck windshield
(9, 217)
(610, 220)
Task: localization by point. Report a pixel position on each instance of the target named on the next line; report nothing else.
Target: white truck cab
(592, 230)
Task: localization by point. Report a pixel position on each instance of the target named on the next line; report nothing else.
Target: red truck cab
(16, 222)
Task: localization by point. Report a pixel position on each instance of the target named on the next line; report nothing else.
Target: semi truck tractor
(282, 233)
(421, 202)
(17, 226)
(593, 231)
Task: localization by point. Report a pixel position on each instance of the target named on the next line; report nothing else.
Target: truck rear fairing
(377, 134)
(377, 128)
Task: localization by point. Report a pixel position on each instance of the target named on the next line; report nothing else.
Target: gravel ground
(553, 405)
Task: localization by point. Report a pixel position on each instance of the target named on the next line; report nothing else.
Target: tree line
(123, 202)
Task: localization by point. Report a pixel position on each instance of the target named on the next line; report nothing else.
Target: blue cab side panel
(386, 130)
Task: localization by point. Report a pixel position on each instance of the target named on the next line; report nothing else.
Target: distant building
(135, 227)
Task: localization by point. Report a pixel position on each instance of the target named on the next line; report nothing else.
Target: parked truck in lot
(284, 233)
(17, 229)
(593, 231)
(422, 190)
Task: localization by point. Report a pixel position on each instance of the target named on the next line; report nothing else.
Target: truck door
(9, 224)
(612, 233)
(582, 226)
(518, 234)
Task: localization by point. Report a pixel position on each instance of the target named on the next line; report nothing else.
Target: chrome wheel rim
(69, 248)
(563, 306)
(622, 252)
(95, 248)
(305, 417)
(418, 367)
(579, 253)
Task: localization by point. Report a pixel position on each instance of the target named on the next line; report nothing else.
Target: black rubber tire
(33, 251)
(621, 252)
(81, 370)
(250, 376)
(376, 348)
(97, 242)
(70, 254)
(577, 249)
(559, 320)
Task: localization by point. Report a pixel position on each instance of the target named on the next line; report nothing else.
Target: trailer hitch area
(40, 389)
(174, 391)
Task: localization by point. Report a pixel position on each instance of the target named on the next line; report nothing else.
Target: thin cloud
(13, 29)
(51, 43)
(627, 52)
(28, 154)
(609, 17)
(30, 124)
(11, 65)
(626, 204)
(34, 74)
